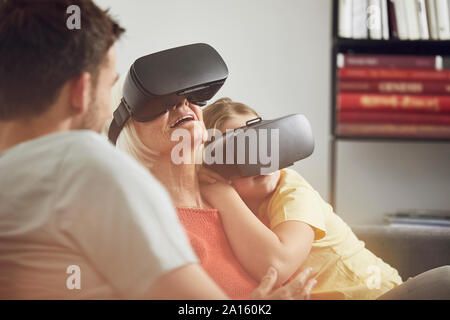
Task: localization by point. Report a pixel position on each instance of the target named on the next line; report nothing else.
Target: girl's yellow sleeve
(295, 200)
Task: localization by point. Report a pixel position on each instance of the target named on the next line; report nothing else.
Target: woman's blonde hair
(130, 142)
(222, 110)
(128, 139)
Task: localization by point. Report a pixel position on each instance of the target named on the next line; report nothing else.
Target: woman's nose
(185, 102)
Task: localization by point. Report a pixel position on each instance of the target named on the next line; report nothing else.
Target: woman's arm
(256, 246)
(192, 282)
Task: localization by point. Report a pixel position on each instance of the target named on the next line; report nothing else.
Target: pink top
(207, 237)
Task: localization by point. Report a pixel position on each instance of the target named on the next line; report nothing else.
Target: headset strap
(121, 116)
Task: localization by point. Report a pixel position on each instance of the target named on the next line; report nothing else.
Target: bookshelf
(366, 46)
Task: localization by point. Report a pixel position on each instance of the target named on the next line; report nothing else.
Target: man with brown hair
(78, 218)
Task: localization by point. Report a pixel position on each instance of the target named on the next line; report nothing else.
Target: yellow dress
(343, 267)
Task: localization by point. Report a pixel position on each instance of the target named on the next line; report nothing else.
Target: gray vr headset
(261, 146)
(159, 81)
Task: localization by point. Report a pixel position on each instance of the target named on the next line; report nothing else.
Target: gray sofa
(411, 250)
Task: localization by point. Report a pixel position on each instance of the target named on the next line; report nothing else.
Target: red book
(393, 130)
(387, 86)
(392, 102)
(388, 61)
(393, 74)
(393, 117)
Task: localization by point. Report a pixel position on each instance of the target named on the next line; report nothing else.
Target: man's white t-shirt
(72, 199)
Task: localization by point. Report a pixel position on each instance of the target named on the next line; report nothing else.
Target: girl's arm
(256, 246)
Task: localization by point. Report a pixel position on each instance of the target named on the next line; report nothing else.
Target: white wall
(374, 178)
(278, 54)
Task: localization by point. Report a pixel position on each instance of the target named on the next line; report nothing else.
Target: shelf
(419, 47)
(372, 47)
(391, 139)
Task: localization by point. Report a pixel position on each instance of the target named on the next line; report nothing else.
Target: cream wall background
(278, 54)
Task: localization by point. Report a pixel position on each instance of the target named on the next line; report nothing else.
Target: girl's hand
(208, 176)
(219, 194)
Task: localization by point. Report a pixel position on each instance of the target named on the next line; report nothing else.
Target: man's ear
(80, 93)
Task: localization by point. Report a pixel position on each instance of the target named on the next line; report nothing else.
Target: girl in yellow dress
(279, 220)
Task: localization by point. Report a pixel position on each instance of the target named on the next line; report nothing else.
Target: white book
(432, 19)
(345, 18)
(418, 226)
(448, 5)
(443, 19)
(422, 19)
(411, 20)
(359, 19)
(374, 19)
(385, 19)
(400, 17)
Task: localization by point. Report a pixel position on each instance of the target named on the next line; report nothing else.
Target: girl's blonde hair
(222, 110)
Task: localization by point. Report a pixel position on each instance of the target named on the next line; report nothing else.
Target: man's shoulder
(49, 152)
(89, 151)
(89, 145)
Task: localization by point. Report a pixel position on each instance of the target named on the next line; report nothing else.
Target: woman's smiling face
(157, 134)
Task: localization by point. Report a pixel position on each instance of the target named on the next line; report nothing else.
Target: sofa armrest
(411, 250)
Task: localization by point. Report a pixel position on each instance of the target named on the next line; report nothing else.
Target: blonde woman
(151, 143)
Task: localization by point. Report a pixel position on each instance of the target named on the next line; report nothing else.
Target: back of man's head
(40, 52)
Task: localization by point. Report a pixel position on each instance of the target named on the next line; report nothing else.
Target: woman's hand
(298, 288)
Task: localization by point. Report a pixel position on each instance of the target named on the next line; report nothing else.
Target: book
(419, 226)
(413, 221)
(421, 214)
(432, 19)
(392, 102)
(448, 5)
(359, 19)
(388, 61)
(446, 62)
(345, 18)
(393, 117)
(393, 130)
(374, 20)
(422, 19)
(419, 217)
(402, 87)
(393, 74)
(400, 17)
(443, 19)
(412, 20)
(393, 31)
(384, 19)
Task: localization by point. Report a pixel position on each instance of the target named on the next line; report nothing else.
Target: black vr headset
(159, 81)
(245, 151)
